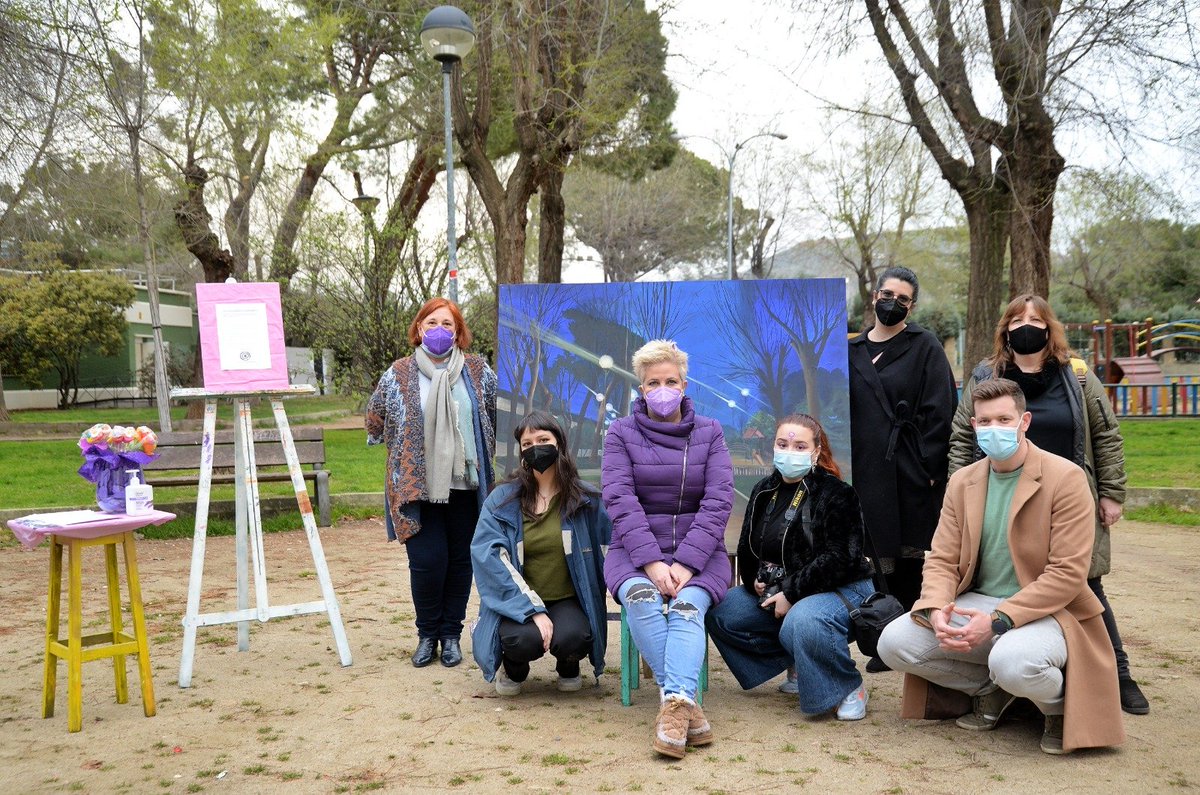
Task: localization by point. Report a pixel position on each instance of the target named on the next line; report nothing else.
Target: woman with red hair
(436, 411)
(801, 546)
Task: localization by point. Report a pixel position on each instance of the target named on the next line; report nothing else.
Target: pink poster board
(241, 336)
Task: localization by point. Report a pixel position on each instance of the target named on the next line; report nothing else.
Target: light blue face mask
(998, 442)
(793, 464)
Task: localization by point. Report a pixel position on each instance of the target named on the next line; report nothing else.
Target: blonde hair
(659, 352)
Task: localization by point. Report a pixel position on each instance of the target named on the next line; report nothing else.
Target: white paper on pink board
(241, 336)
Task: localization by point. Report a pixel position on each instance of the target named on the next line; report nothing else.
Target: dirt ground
(285, 716)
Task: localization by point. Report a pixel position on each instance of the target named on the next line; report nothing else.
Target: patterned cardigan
(394, 417)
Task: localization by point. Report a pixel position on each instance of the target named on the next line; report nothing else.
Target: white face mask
(793, 464)
(998, 442)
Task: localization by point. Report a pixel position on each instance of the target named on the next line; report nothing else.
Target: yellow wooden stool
(78, 648)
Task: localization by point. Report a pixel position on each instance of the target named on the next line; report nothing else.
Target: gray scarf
(445, 455)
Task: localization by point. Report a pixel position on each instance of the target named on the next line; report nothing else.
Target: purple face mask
(438, 340)
(664, 400)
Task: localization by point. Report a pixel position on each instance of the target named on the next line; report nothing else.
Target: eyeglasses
(902, 300)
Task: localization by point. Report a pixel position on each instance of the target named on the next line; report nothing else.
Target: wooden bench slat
(264, 455)
(192, 480)
(181, 450)
(301, 433)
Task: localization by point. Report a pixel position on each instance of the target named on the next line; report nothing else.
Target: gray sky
(743, 67)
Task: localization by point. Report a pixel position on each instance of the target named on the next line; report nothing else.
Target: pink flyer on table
(241, 336)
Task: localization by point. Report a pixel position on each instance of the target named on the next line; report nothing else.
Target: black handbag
(876, 611)
(869, 618)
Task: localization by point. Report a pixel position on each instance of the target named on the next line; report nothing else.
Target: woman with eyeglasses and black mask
(902, 401)
(538, 556)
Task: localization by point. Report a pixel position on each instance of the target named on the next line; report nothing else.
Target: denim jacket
(498, 558)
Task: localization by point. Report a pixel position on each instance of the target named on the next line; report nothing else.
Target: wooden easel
(249, 538)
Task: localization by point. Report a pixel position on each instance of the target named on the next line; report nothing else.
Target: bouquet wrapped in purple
(109, 453)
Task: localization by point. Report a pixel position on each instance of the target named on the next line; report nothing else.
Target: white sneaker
(506, 686)
(854, 706)
(569, 684)
(791, 685)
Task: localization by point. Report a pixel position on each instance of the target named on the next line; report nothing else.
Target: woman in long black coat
(902, 400)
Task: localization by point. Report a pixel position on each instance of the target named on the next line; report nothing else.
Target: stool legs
(75, 635)
(114, 615)
(54, 601)
(139, 625)
(115, 643)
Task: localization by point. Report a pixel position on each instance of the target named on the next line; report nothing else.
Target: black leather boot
(426, 650)
(451, 653)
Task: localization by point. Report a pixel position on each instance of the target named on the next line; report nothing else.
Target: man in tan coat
(1005, 602)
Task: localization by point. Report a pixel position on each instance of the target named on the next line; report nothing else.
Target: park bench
(180, 450)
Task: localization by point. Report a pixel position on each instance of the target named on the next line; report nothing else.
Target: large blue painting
(758, 350)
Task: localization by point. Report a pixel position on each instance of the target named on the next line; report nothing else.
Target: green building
(104, 378)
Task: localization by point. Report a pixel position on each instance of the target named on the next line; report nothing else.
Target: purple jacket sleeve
(708, 528)
(629, 522)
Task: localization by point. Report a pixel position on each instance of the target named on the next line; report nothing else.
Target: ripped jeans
(672, 642)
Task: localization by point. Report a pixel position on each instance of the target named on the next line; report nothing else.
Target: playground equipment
(1128, 358)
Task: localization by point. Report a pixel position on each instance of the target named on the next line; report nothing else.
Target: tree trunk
(398, 228)
(283, 260)
(162, 397)
(552, 217)
(810, 362)
(988, 213)
(4, 416)
(193, 219)
(1034, 170)
(237, 229)
(509, 229)
(866, 283)
(758, 265)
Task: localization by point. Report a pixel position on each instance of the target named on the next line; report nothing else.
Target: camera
(770, 575)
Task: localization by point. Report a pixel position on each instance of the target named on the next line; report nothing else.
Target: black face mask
(889, 312)
(540, 456)
(1028, 339)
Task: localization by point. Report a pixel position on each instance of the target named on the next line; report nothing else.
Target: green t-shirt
(997, 577)
(545, 566)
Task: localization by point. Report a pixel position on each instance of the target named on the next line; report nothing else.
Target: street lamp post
(448, 35)
(732, 158)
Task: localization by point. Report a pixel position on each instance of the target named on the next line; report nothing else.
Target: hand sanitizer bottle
(139, 497)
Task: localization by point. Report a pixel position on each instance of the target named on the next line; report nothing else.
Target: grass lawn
(1162, 452)
(42, 473)
(148, 415)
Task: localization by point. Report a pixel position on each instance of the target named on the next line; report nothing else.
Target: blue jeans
(814, 636)
(671, 642)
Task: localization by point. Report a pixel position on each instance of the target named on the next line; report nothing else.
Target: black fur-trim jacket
(836, 556)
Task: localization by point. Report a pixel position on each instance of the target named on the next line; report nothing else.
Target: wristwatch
(1000, 623)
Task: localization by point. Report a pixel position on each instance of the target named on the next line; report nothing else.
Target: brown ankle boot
(699, 732)
(671, 727)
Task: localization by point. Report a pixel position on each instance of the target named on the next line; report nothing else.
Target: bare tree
(37, 90)
(578, 79)
(808, 316)
(867, 192)
(1047, 63)
(1107, 233)
(669, 217)
(370, 56)
(121, 69)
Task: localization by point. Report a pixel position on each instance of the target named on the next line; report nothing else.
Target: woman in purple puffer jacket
(668, 486)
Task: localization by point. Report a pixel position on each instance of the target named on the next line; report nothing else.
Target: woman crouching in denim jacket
(538, 555)
(801, 545)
